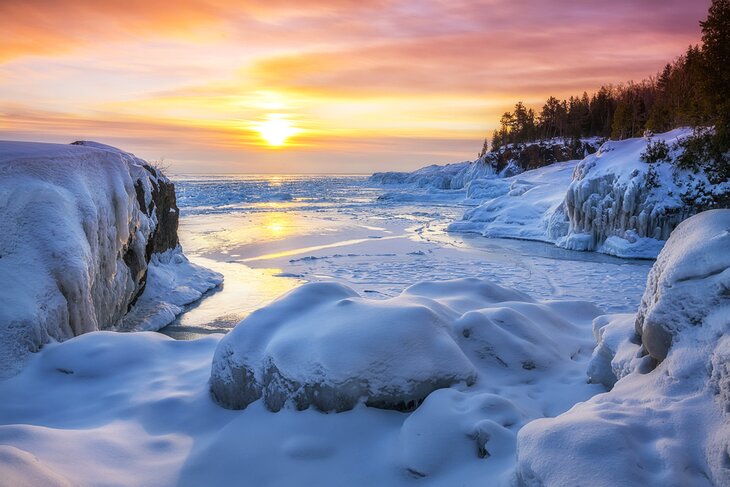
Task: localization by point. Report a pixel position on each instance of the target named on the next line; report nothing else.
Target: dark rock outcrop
(513, 159)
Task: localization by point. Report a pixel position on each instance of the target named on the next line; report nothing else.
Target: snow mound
(667, 423)
(528, 206)
(22, 469)
(81, 223)
(323, 345)
(449, 176)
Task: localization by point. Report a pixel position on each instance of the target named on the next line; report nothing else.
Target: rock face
(666, 420)
(81, 223)
(517, 158)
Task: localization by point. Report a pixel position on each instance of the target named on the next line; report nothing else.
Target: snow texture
(662, 425)
(619, 205)
(80, 224)
(135, 409)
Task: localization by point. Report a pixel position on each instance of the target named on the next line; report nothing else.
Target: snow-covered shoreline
(449, 382)
(610, 202)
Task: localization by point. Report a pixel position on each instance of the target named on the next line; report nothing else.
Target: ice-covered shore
(610, 201)
(89, 242)
(517, 407)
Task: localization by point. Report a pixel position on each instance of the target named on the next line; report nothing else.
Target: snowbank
(528, 206)
(81, 224)
(666, 423)
(449, 176)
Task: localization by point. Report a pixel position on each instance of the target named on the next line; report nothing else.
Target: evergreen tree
(716, 63)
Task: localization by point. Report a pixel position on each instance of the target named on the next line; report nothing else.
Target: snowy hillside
(611, 201)
(89, 232)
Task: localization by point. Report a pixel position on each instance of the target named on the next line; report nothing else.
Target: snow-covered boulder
(620, 205)
(325, 346)
(689, 281)
(618, 350)
(663, 423)
(81, 224)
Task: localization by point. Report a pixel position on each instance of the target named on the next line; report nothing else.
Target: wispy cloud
(362, 80)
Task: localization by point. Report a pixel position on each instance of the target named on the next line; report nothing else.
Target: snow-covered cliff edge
(621, 205)
(82, 224)
(611, 201)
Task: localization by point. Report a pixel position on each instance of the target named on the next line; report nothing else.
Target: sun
(276, 130)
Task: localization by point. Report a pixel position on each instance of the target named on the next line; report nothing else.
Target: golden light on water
(276, 130)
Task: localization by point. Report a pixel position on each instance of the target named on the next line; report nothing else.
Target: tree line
(693, 91)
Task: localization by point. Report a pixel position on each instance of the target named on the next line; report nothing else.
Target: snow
(512, 368)
(324, 345)
(172, 283)
(135, 408)
(613, 206)
(527, 206)
(610, 202)
(74, 240)
(688, 282)
(449, 176)
(667, 422)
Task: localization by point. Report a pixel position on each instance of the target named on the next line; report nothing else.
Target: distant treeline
(692, 91)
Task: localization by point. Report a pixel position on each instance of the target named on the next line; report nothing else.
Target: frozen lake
(268, 234)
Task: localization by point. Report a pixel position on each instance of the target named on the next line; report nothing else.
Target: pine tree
(716, 63)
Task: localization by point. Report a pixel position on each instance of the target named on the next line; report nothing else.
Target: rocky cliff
(81, 225)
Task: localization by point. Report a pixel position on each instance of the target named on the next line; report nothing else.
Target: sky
(313, 86)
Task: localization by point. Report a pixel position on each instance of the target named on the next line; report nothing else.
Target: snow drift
(81, 225)
(666, 419)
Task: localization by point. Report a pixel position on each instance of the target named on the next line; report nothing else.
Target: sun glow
(276, 130)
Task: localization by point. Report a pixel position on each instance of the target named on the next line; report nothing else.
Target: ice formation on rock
(613, 202)
(666, 419)
(81, 224)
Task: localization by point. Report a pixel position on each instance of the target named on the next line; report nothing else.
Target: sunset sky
(342, 86)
